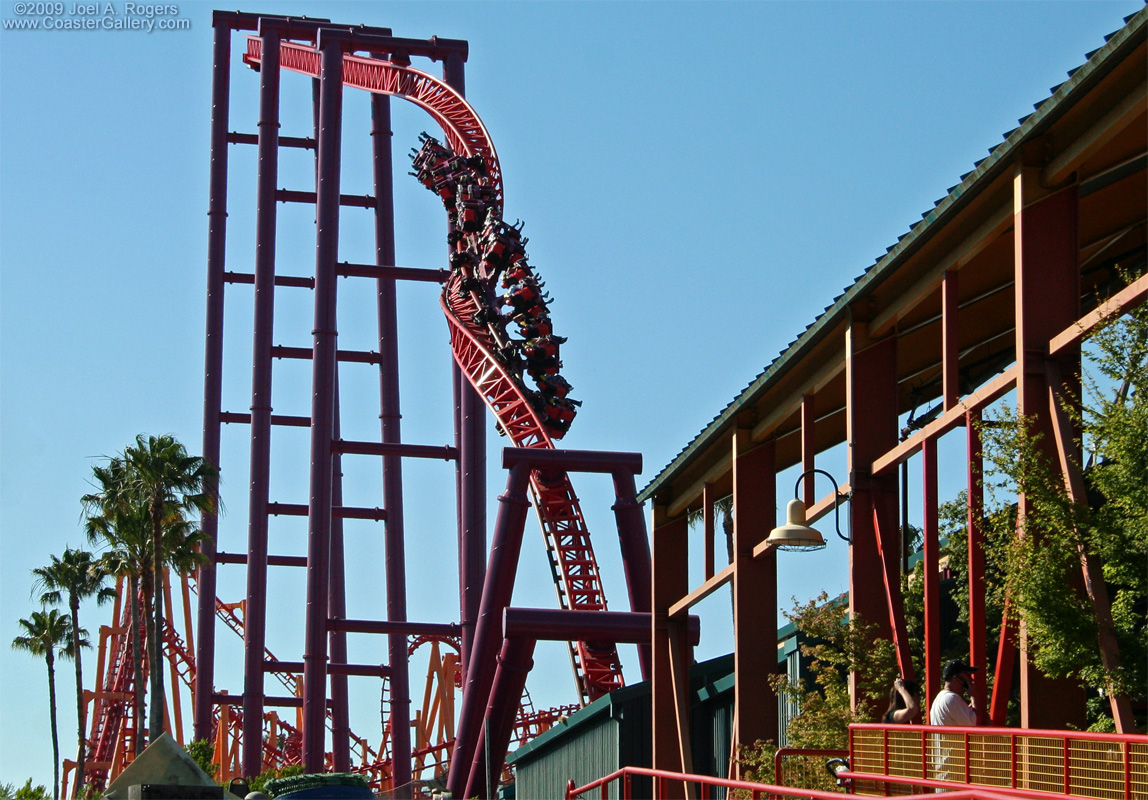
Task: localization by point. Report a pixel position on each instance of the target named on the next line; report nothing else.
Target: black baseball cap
(956, 667)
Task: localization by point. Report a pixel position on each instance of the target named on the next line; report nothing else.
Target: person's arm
(912, 706)
(970, 715)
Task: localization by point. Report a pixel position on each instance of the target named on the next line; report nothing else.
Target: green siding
(586, 755)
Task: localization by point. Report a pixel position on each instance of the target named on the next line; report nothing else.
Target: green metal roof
(1100, 62)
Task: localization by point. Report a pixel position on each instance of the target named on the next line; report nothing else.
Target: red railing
(799, 762)
(1041, 762)
(666, 785)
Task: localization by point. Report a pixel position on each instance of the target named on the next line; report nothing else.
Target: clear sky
(698, 181)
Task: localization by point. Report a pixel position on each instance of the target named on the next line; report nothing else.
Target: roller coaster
(506, 357)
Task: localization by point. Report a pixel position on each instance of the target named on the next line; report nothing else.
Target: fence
(805, 769)
(884, 758)
(670, 784)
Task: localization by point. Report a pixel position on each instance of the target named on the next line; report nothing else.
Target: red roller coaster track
(577, 581)
(573, 563)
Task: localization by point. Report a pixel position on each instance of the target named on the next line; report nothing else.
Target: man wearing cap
(949, 707)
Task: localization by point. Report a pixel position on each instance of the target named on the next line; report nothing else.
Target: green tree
(26, 792)
(1101, 526)
(76, 576)
(157, 475)
(125, 530)
(836, 646)
(171, 483)
(46, 634)
(202, 752)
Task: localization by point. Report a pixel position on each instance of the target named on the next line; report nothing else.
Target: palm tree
(78, 575)
(47, 633)
(126, 531)
(159, 473)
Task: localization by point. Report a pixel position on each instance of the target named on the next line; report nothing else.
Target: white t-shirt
(949, 708)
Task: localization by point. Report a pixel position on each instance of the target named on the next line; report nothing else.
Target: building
(990, 292)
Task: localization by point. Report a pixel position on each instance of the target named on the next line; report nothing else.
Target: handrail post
(1127, 770)
(885, 753)
(1012, 758)
(924, 756)
(1067, 765)
(967, 759)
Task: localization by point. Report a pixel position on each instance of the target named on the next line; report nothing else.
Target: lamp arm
(836, 498)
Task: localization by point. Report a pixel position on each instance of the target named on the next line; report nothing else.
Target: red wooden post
(1047, 274)
(976, 556)
(708, 497)
(950, 353)
(871, 420)
(932, 576)
(670, 584)
(754, 591)
(808, 448)
(1006, 661)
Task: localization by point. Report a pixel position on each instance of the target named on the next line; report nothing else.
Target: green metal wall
(586, 755)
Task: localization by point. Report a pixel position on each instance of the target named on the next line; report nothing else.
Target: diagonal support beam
(497, 590)
(889, 553)
(1090, 565)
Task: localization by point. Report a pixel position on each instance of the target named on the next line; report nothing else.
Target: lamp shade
(795, 534)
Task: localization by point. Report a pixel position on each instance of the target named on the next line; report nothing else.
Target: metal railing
(1044, 762)
(804, 768)
(678, 784)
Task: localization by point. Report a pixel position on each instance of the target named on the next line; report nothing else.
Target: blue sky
(698, 181)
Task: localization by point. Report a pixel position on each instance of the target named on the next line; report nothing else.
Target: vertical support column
(950, 375)
(323, 369)
(670, 584)
(213, 372)
(255, 610)
(871, 420)
(391, 434)
(635, 547)
(976, 555)
(471, 441)
(337, 609)
(1047, 301)
(754, 591)
(808, 448)
(932, 569)
(709, 494)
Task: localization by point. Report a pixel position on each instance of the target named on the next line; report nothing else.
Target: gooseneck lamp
(796, 534)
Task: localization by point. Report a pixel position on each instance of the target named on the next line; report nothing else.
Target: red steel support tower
(333, 57)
